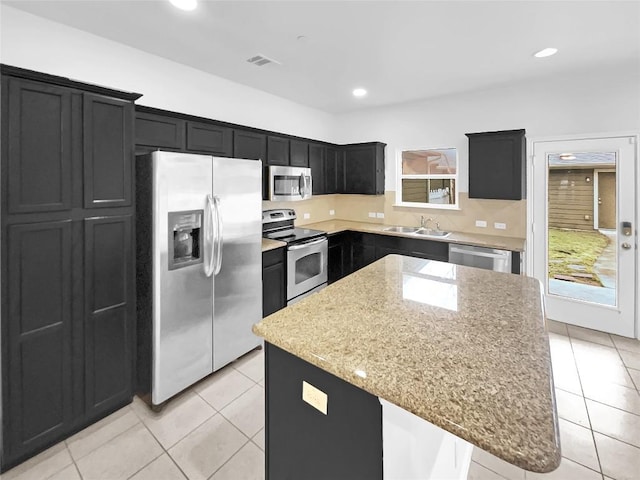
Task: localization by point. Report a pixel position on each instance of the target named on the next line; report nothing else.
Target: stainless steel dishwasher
(480, 257)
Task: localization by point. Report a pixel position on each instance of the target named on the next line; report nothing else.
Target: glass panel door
(584, 197)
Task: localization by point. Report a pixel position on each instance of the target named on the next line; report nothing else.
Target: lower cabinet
(304, 443)
(67, 329)
(274, 281)
(351, 251)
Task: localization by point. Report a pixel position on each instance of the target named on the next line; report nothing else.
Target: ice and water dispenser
(185, 238)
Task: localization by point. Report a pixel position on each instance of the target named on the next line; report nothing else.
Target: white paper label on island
(314, 397)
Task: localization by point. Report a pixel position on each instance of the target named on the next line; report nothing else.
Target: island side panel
(302, 442)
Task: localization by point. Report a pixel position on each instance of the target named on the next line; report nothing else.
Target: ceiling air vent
(260, 60)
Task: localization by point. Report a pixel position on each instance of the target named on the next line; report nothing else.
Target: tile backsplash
(360, 208)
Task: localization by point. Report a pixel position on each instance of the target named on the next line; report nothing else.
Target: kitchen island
(460, 350)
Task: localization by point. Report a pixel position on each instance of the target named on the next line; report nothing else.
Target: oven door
(289, 183)
(306, 266)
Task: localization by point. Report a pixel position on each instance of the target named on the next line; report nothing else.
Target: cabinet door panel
(109, 310)
(38, 331)
(39, 153)
(331, 171)
(299, 153)
(159, 132)
(249, 145)
(317, 164)
(274, 281)
(203, 137)
(108, 151)
(277, 151)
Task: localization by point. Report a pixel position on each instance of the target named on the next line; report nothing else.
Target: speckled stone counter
(491, 241)
(463, 348)
(268, 244)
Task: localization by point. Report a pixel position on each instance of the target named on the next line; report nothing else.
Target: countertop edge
(455, 237)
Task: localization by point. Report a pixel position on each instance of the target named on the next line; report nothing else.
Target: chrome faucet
(424, 221)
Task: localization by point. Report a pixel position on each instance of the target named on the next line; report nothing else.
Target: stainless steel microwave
(289, 183)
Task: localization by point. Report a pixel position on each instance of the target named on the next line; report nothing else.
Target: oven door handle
(305, 245)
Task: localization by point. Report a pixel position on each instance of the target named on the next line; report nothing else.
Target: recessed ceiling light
(547, 52)
(185, 4)
(359, 92)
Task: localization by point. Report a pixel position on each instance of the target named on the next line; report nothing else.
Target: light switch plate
(500, 226)
(481, 223)
(332, 212)
(372, 214)
(379, 214)
(314, 397)
(306, 216)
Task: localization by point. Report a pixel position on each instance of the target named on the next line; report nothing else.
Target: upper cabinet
(249, 145)
(159, 131)
(299, 153)
(39, 147)
(364, 168)
(277, 150)
(317, 165)
(107, 138)
(209, 138)
(497, 166)
(334, 170)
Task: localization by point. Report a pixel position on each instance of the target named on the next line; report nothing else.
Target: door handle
(209, 244)
(219, 236)
(302, 188)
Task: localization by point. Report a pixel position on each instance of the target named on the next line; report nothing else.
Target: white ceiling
(399, 50)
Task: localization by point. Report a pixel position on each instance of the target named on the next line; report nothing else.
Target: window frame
(400, 176)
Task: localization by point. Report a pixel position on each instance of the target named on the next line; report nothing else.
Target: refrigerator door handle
(209, 244)
(219, 235)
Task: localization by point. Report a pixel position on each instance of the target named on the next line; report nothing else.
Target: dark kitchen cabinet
(109, 283)
(299, 153)
(249, 145)
(334, 170)
(304, 443)
(274, 281)
(497, 168)
(277, 150)
(38, 133)
(412, 247)
(209, 138)
(107, 138)
(339, 264)
(159, 131)
(68, 271)
(363, 250)
(364, 168)
(317, 165)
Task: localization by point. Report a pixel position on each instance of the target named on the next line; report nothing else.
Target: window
(428, 178)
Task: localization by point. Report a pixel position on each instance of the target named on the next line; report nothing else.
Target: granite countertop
(463, 348)
(268, 244)
(491, 241)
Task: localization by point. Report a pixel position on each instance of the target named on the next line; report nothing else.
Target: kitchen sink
(402, 229)
(427, 232)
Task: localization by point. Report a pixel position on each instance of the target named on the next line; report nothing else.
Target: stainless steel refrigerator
(199, 266)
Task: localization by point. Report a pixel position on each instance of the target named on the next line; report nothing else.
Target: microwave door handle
(209, 243)
(301, 185)
(219, 236)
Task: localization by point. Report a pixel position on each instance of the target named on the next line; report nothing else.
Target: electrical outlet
(332, 212)
(379, 214)
(372, 214)
(500, 226)
(481, 223)
(306, 216)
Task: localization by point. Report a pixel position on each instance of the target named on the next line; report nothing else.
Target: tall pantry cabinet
(67, 262)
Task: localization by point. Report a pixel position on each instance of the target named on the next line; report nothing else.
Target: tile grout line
(228, 459)
(593, 437)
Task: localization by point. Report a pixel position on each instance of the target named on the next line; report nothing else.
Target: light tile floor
(215, 430)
